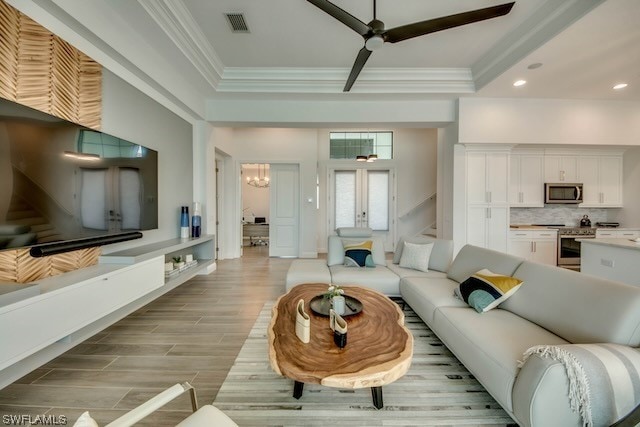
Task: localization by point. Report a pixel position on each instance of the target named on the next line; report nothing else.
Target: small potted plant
(178, 262)
(335, 294)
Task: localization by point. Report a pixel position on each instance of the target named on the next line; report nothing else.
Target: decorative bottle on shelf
(184, 222)
(196, 220)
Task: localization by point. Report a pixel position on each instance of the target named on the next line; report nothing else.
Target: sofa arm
(541, 395)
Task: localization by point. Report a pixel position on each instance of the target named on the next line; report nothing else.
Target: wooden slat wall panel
(34, 65)
(30, 268)
(9, 27)
(8, 266)
(42, 71)
(65, 80)
(20, 267)
(90, 92)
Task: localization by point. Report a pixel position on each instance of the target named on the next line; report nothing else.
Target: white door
(477, 225)
(362, 198)
(497, 226)
(497, 165)
(589, 179)
(520, 248)
(531, 182)
(477, 191)
(94, 199)
(111, 199)
(545, 252)
(610, 179)
(284, 205)
(129, 188)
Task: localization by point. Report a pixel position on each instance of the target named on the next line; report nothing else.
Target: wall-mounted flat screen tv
(60, 181)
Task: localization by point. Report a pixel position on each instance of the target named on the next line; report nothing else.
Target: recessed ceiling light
(519, 83)
(535, 65)
(620, 86)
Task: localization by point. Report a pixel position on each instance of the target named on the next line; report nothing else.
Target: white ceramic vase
(338, 303)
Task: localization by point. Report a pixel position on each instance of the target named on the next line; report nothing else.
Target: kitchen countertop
(529, 227)
(618, 243)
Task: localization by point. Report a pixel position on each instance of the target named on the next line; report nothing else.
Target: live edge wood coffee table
(378, 351)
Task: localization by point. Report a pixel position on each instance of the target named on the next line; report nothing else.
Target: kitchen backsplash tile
(566, 215)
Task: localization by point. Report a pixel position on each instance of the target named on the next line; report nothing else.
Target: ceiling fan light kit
(374, 43)
(375, 34)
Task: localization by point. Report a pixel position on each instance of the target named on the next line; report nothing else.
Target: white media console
(42, 320)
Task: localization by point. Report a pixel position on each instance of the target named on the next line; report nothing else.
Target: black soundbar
(47, 249)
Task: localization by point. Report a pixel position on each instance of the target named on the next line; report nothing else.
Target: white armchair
(208, 415)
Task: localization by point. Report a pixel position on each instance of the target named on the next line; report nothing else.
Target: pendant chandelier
(261, 180)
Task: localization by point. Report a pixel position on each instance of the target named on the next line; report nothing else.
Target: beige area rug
(437, 391)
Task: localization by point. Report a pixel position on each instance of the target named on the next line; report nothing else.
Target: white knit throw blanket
(604, 379)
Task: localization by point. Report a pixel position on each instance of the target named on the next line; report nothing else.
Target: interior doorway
(255, 197)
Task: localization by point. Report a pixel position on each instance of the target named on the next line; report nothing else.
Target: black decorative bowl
(321, 305)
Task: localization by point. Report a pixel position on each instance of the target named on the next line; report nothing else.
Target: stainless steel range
(569, 248)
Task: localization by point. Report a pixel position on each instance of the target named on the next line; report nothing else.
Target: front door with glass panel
(362, 198)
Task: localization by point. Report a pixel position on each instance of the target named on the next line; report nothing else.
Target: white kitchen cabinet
(545, 251)
(601, 177)
(534, 245)
(487, 186)
(63, 309)
(560, 168)
(487, 177)
(609, 233)
(628, 234)
(487, 227)
(606, 233)
(67, 308)
(526, 183)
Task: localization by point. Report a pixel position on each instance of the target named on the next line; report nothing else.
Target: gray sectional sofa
(553, 306)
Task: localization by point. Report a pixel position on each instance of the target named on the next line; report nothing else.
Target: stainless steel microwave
(562, 193)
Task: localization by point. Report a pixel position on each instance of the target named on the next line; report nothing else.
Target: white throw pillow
(416, 256)
(85, 420)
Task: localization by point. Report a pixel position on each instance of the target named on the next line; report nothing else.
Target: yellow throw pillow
(485, 290)
(358, 254)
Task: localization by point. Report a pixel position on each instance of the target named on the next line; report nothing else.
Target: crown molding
(176, 21)
(331, 80)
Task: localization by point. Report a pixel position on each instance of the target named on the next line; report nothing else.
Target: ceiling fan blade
(417, 29)
(342, 15)
(361, 59)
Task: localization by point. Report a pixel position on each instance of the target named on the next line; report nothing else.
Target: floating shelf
(202, 247)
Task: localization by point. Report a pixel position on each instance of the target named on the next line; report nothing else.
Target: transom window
(349, 145)
(107, 146)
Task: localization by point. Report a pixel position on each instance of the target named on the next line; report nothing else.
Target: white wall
(316, 113)
(447, 138)
(282, 145)
(415, 164)
(416, 159)
(129, 114)
(548, 121)
(629, 216)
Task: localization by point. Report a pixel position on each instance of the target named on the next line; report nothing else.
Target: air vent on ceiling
(237, 22)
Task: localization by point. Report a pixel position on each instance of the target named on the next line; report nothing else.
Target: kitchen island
(614, 259)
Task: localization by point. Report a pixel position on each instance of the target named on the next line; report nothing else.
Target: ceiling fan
(375, 35)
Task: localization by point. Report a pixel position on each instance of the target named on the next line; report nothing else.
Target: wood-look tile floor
(192, 333)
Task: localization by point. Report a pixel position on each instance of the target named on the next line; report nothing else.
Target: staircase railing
(418, 206)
